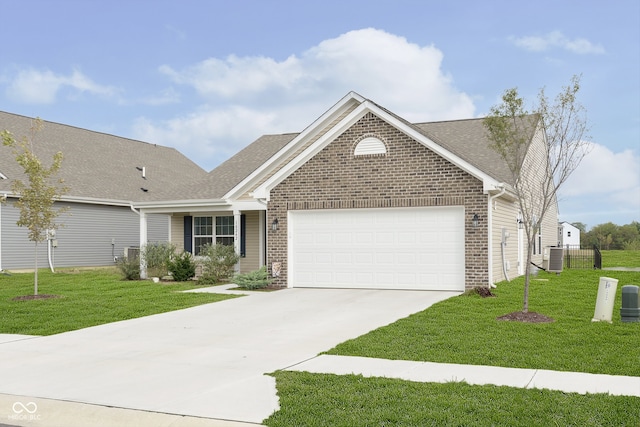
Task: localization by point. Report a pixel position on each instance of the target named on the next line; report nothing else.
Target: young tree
(36, 199)
(509, 129)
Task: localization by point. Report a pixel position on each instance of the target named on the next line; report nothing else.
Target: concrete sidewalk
(570, 382)
(37, 412)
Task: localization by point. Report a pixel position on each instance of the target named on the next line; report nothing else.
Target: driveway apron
(207, 361)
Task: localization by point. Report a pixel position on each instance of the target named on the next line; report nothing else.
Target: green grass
(621, 259)
(351, 401)
(464, 329)
(87, 298)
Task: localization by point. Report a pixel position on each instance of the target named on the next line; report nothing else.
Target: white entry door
(391, 248)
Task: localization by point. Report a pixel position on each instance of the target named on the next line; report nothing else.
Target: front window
(205, 233)
(224, 230)
(202, 232)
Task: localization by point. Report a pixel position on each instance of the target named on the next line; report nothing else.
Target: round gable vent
(370, 145)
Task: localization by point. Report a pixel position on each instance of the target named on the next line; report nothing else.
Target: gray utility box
(630, 311)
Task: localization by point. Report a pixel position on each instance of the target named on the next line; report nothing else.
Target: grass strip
(465, 329)
(349, 400)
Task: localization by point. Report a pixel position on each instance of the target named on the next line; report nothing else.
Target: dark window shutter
(188, 234)
(243, 235)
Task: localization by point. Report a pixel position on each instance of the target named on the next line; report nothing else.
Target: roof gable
(286, 168)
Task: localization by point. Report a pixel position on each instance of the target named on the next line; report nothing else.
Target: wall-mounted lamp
(274, 225)
(475, 221)
(520, 224)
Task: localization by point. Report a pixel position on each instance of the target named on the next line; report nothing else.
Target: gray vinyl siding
(91, 235)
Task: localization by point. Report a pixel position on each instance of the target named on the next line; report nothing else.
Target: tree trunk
(35, 277)
(527, 280)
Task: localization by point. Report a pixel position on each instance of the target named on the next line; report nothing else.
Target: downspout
(503, 188)
(503, 244)
(49, 250)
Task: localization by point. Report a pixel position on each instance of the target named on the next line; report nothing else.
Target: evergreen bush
(182, 267)
(257, 279)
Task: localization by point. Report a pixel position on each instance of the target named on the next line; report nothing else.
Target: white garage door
(394, 248)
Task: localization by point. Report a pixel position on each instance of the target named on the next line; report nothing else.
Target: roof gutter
(503, 188)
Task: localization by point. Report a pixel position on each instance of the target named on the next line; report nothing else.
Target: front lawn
(350, 400)
(87, 298)
(464, 329)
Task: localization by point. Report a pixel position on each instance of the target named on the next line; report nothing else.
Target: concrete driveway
(208, 361)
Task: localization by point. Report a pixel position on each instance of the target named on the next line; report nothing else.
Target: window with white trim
(224, 230)
(202, 232)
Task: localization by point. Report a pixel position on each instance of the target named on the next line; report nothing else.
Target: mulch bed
(528, 317)
(484, 292)
(32, 297)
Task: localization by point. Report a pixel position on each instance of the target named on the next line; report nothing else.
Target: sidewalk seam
(535, 372)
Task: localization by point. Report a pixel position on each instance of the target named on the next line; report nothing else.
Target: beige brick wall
(408, 175)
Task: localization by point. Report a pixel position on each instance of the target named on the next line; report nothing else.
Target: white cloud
(33, 86)
(556, 39)
(165, 97)
(605, 183)
(245, 97)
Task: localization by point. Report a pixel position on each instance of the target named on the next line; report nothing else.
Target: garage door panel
(396, 248)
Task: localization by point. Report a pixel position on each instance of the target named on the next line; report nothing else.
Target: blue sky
(209, 77)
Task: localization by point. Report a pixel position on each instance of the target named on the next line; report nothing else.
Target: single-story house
(570, 235)
(363, 199)
(104, 174)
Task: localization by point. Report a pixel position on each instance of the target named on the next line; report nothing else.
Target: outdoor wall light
(475, 221)
(274, 225)
(520, 224)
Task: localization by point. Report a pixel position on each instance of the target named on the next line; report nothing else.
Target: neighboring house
(570, 235)
(105, 174)
(364, 199)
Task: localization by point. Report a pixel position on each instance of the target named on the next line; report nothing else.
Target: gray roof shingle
(100, 166)
(468, 139)
(230, 173)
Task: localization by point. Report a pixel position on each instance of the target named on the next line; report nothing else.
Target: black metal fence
(578, 258)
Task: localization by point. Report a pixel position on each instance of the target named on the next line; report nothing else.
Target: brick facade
(408, 175)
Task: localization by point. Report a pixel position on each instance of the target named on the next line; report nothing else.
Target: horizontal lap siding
(85, 239)
(505, 214)
(177, 232)
(252, 259)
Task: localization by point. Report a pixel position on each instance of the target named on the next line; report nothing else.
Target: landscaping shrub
(182, 267)
(157, 256)
(129, 267)
(217, 262)
(257, 279)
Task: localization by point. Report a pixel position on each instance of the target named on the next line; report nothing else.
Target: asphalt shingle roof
(230, 173)
(100, 166)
